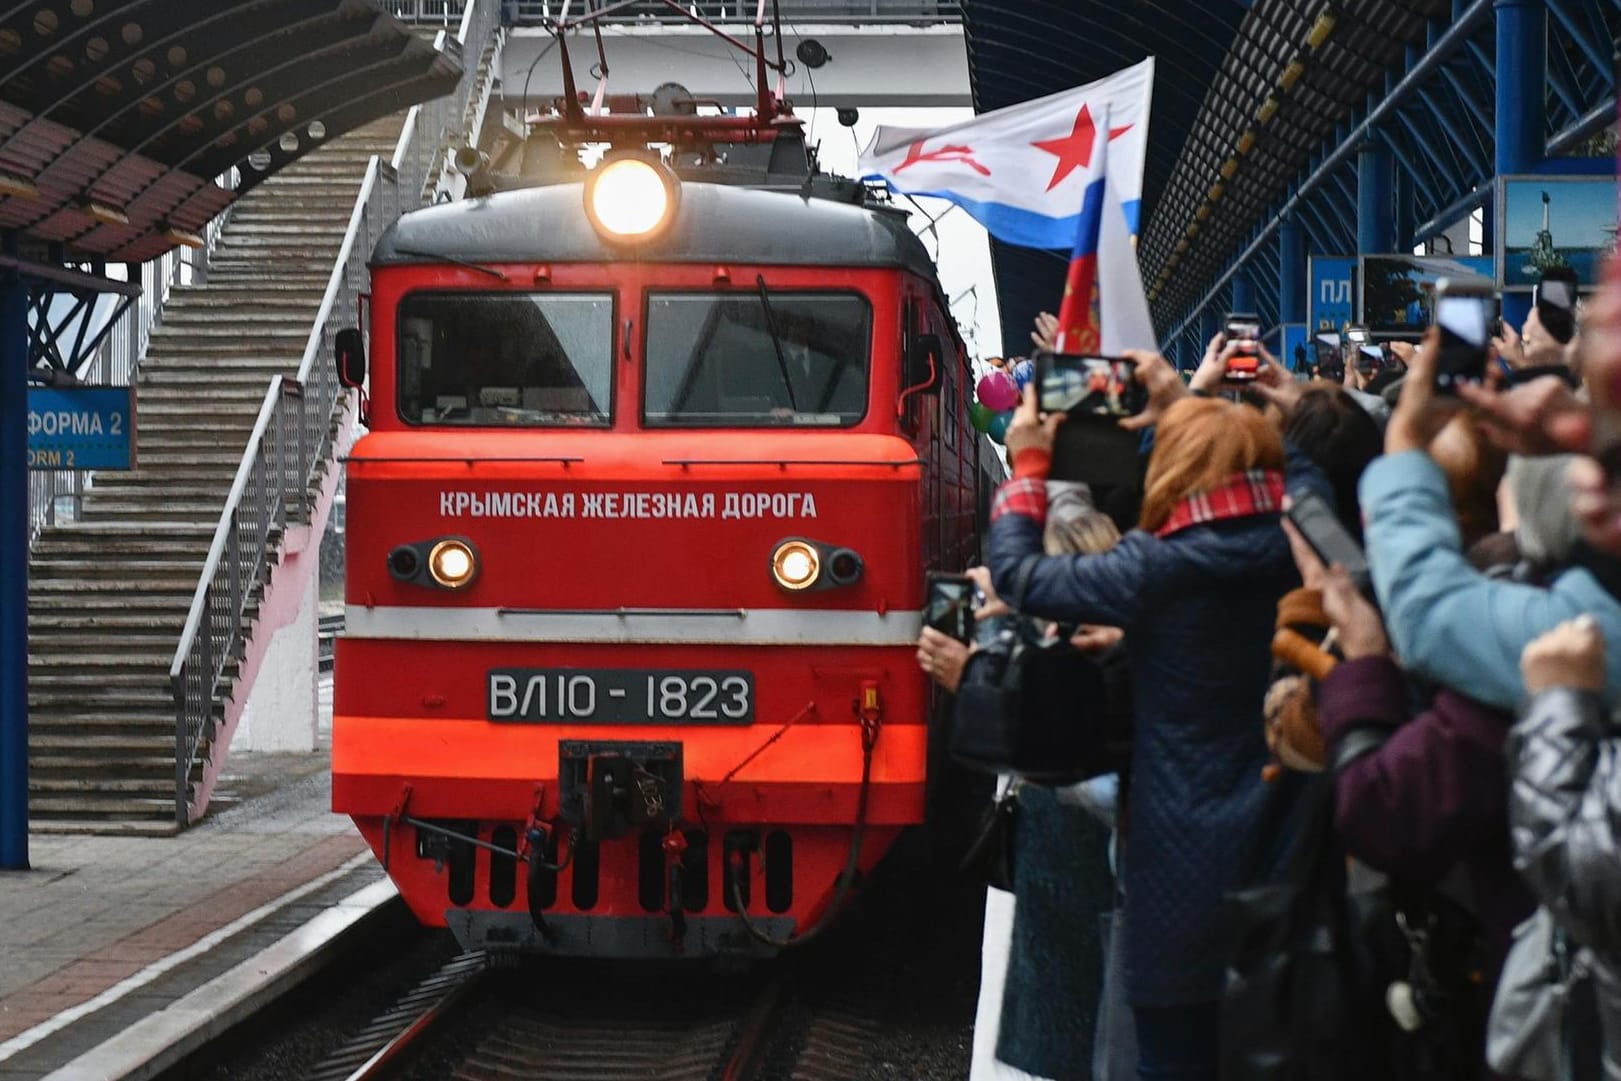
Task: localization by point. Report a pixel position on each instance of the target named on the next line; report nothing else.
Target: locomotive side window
(743, 360)
(506, 359)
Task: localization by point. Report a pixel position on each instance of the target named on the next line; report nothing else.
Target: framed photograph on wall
(1554, 221)
(1398, 291)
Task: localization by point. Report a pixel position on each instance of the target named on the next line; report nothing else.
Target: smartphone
(1089, 385)
(1555, 300)
(1328, 537)
(949, 603)
(1355, 334)
(1369, 359)
(1463, 311)
(1330, 361)
(1243, 330)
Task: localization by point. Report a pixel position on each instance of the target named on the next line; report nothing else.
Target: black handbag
(1039, 710)
(1329, 984)
(989, 858)
(1294, 1008)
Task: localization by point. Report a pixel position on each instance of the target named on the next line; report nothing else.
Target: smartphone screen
(1244, 331)
(1369, 359)
(1328, 537)
(1464, 319)
(1330, 361)
(1096, 386)
(949, 605)
(1555, 300)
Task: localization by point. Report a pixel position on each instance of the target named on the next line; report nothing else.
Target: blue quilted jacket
(1198, 608)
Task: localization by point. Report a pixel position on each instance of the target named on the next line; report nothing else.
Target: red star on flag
(1074, 151)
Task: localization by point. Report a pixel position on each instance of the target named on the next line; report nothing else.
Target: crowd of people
(1369, 822)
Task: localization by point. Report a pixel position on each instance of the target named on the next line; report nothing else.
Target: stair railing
(57, 495)
(284, 463)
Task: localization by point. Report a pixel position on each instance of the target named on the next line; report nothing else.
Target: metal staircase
(143, 610)
(109, 594)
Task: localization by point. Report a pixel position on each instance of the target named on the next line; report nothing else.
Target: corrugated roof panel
(139, 104)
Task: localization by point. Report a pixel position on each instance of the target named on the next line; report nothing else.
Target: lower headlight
(796, 565)
(452, 563)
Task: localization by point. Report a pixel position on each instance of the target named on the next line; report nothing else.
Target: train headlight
(631, 199)
(452, 563)
(796, 565)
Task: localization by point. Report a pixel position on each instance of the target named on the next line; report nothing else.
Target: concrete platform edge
(161, 1040)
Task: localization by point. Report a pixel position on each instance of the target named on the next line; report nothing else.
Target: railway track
(891, 989)
(471, 1022)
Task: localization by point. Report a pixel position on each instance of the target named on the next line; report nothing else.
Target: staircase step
(42, 570)
(75, 640)
(147, 723)
(110, 531)
(87, 804)
(270, 290)
(201, 381)
(198, 367)
(179, 554)
(91, 745)
(233, 317)
(90, 605)
(103, 773)
(155, 510)
(100, 827)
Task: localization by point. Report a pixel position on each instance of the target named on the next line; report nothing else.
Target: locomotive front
(636, 544)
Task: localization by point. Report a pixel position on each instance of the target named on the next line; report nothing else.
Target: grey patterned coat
(1565, 812)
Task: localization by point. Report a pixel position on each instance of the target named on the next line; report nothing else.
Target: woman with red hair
(1195, 588)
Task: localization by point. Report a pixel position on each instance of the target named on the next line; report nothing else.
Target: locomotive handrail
(627, 613)
(784, 463)
(469, 462)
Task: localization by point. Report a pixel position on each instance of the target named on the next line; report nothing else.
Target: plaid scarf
(1258, 491)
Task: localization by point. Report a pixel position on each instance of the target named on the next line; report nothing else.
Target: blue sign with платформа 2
(81, 428)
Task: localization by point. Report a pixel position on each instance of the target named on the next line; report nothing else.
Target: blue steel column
(14, 574)
(1209, 325)
(1522, 76)
(1375, 200)
(1243, 293)
(1291, 273)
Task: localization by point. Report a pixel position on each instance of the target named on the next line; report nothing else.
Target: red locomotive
(658, 455)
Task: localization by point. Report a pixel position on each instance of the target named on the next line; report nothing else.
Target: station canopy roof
(1214, 142)
(119, 117)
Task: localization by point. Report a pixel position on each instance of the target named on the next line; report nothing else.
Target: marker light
(452, 563)
(796, 565)
(631, 199)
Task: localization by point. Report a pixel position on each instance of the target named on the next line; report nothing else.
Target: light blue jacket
(1447, 621)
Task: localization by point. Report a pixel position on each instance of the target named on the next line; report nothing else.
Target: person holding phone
(1449, 622)
(1195, 588)
(1417, 793)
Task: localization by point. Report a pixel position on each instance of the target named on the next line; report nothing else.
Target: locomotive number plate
(620, 696)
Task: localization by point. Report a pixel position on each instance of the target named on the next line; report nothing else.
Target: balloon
(1023, 372)
(980, 416)
(997, 390)
(999, 426)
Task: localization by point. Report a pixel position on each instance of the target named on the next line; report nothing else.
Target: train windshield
(743, 360)
(506, 360)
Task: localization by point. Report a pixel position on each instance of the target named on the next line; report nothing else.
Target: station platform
(121, 954)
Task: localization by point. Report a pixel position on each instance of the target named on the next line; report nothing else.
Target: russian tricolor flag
(1104, 309)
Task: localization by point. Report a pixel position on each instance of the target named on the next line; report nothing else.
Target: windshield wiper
(776, 341)
(469, 264)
